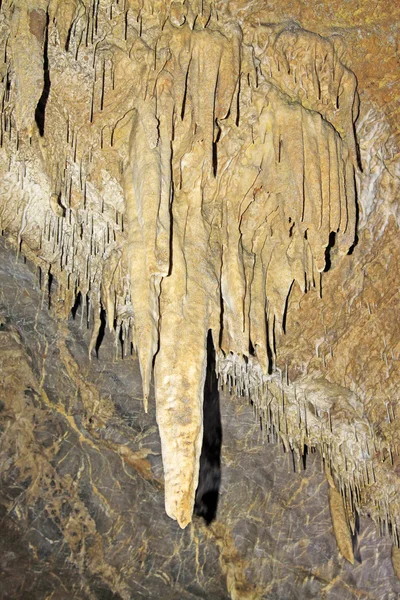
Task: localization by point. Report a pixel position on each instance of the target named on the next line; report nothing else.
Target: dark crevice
(50, 281)
(78, 302)
(69, 34)
(171, 226)
(355, 539)
(221, 317)
(207, 493)
(183, 108)
(238, 104)
(101, 331)
(355, 118)
(285, 310)
(331, 244)
(214, 158)
(358, 151)
(40, 111)
(215, 150)
(351, 249)
(304, 456)
(252, 351)
(270, 353)
(122, 343)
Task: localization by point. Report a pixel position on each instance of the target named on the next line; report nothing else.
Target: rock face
(175, 168)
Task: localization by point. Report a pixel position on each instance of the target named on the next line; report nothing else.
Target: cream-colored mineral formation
(184, 169)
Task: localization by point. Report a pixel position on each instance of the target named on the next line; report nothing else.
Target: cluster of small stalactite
(314, 414)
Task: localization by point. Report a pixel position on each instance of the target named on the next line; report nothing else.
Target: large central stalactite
(187, 177)
(256, 182)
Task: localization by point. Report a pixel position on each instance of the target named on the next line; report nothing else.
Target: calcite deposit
(175, 168)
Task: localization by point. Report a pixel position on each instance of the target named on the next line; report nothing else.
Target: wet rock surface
(81, 495)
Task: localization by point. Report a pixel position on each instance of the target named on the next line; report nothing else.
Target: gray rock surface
(81, 496)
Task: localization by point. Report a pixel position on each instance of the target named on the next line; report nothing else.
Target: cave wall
(82, 499)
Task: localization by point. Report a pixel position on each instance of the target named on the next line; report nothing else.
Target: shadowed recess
(207, 492)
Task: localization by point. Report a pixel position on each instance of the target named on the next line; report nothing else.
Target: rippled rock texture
(82, 485)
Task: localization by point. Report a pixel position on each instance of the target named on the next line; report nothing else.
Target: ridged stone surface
(81, 495)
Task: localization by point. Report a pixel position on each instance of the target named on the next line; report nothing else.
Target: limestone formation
(187, 167)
